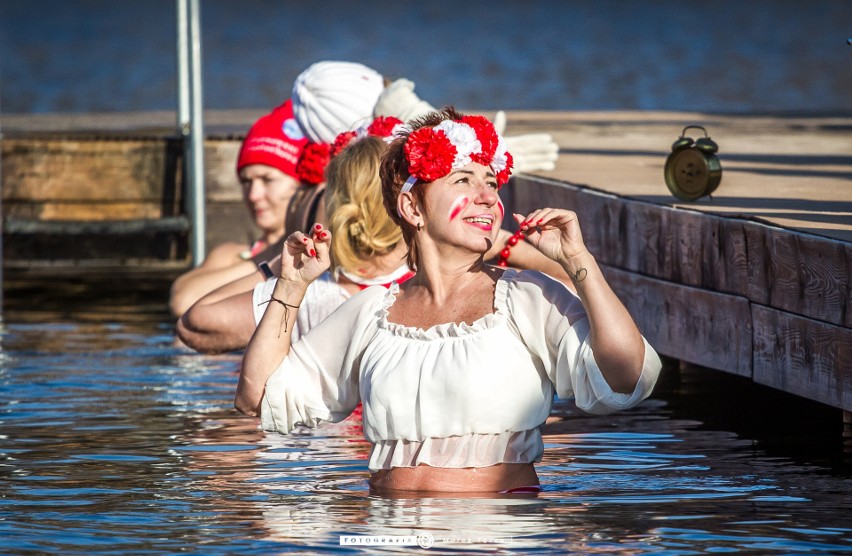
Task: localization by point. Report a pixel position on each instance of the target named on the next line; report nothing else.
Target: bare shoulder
(225, 254)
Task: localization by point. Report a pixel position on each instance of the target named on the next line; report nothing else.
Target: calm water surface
(115, 440)
(723, 56)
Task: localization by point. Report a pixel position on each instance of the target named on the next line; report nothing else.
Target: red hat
(275, 140)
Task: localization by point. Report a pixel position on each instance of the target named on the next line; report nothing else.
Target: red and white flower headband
(386, 127)
(434, 152)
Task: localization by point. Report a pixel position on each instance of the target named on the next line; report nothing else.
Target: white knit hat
(332, 97)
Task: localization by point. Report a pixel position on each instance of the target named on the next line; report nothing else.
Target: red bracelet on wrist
(511, 242)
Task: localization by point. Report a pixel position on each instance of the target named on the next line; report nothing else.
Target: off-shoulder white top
(453, 395)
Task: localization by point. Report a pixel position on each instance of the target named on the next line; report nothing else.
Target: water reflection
(113, 439)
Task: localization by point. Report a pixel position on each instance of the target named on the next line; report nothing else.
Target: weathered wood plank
(86, 210)
(88, 169)
(800, 273)
(682, 246)
(803, 356)
(771, 266)
(15, 226)
(220, 171)
(702, 327)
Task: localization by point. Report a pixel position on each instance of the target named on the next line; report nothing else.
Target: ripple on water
(114, 441)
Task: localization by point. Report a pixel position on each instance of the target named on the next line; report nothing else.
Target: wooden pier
(754, 281)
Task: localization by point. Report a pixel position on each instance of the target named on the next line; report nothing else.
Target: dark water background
(730, 56)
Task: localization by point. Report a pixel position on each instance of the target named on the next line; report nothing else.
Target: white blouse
(453, 395)
(323, 296)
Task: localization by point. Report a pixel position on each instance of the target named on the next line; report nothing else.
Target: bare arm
(222, 266)
(223, 320)
(303, 260)
(220, 326)
(615, 339)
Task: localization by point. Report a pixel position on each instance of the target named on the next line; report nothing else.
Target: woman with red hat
(275, 163)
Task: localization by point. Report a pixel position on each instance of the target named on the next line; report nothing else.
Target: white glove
(531, 151)
(398, 99)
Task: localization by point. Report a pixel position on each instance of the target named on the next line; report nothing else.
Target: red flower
(341, 142)
(430, 154)
(312, 163)
(383, 126)
(487, 136)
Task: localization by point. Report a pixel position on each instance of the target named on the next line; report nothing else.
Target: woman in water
(456, 367)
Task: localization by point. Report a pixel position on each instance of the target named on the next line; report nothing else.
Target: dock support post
(190, 119)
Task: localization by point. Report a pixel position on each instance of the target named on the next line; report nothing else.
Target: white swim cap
(332, 97)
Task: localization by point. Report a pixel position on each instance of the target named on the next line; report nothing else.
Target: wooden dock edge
(739, 296)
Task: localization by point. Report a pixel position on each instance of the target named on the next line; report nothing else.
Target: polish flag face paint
(458, 206)
(502, 209)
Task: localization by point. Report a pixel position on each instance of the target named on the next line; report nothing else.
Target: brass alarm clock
(693, 169)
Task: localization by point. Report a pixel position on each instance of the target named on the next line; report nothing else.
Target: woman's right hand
(305, 257)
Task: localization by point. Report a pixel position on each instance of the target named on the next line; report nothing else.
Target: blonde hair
(360, 226)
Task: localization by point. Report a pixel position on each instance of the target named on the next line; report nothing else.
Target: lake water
(725, 56)
(113, 440)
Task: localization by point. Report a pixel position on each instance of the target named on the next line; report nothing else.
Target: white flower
(498, 163)
(463, 138)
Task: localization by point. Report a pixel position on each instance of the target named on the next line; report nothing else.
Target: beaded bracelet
(511, 242)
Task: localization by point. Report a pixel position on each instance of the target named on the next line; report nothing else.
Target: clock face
(691, 174)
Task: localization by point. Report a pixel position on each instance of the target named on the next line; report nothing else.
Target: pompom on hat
(331, 97)
(274, 140)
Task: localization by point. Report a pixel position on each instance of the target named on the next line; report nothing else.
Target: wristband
(263, 266)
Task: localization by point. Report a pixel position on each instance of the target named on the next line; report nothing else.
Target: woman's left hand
(305, 256)
(554, 232)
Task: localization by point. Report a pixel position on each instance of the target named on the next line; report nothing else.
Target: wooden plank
(771, 266)
(702, 327)
(220, 171)
(15, 226)
(683, 246)
(85, 210)
(826, 293)
(800, 273)
(803, 356)
(87, 170)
